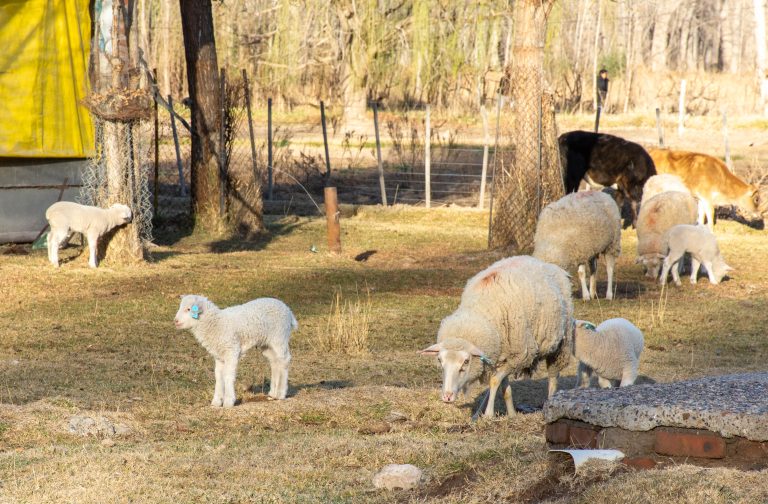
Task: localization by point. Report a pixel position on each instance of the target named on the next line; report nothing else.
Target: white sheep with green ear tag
(611, 351)
(513, 315)
(228, 333)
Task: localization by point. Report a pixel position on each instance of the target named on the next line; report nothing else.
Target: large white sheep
(575, 230)
(512, 315)
(657, 216)
(701, 244)
(65, 217)
(228, 333)
(610, 350)
(662, 183)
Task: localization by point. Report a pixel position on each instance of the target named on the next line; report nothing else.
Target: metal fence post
(325, 143)
(182, 184)
(382, 186)
(681, 109)
(658, 128)
(484, 116)
(256, 178)
(270, 183)
(728, 161)
(428, 161)
(157, 157)
(222, 140)
(493, 172)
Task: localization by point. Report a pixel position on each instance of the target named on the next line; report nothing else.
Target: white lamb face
(456, 361)
(652, 263)
(125, 212)
(720, 269)
(190, 310)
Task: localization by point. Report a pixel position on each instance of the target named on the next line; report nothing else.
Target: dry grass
(348, 325)
(77, 341)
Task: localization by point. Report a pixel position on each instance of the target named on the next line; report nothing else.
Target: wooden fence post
(157, 157)
(659, 129)
(332, 217)
(428, 161)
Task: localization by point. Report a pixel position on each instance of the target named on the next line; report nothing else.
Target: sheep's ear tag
(486, 360)
(195, 311)
(589, 326)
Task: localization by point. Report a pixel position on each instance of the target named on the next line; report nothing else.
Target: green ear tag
(590, 326)
(486, 360)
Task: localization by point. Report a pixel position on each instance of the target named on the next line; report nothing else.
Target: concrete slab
(730, 405)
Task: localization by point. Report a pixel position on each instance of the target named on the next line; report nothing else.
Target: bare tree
(204, 92)
(534, 178)
(759, 6)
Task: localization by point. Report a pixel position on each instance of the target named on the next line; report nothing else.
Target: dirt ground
(75, 342)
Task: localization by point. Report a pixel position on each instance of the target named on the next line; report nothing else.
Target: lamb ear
(729, 268)
(476, 352)
(432, 350)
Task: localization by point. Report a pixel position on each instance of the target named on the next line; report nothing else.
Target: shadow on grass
(263, 388)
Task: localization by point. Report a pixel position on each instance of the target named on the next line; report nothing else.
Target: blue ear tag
(589, 326)
(195, 311)
(486, 360)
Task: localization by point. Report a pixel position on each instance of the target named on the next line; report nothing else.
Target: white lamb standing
(656, 217)
(662, 183)
(702, 245)
(512, 315)
(610, 350)
(264, 323)
(575, 230)
(65, 217)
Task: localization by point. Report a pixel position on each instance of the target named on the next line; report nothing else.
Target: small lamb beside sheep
(228, 333)
(610, 350)
(702, 245)
(65, 217)
(512, 315)
(657, 216)
(577, 228)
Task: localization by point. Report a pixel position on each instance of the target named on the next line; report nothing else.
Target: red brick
(640, 462)
(557, 432)
(685, 444)
(752, 450)
(582, 437)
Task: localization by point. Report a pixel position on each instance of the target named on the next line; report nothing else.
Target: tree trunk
(204, 92)
(533, 179)
(354, 64)
(760, 50)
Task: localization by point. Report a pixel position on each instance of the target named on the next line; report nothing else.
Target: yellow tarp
(44, 48)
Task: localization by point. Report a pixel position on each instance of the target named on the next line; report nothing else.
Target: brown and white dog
(710, 180)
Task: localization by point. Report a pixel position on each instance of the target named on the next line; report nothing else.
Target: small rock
(108, 442)
(88, 426)
(405, 476)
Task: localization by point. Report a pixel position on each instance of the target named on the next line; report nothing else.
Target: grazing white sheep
(610, 350)
(228, 333)
(575, 230)
(662, 183)
(656, 217)
(512, 315)
(65, 217)
(702, 245)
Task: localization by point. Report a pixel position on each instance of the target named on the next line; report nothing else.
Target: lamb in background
(657, 216)
(610, 350)
(606, 160)
(702, 245)
(228, 333)
(512, 315)
(574, 230)
(662, 183)
(65, 217)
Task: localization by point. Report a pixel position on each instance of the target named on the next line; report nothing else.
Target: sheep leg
(583, 376)
(593, 278)
(55, 239)
(583, 279)
(93, 239)
(710, 272)
(610, 264)
(604, 382)
(278, 386)
(629, 375)
(492, 391)
(218, 391)
(676, 272)
(229, 372)
(695, 264)
(506, 388)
